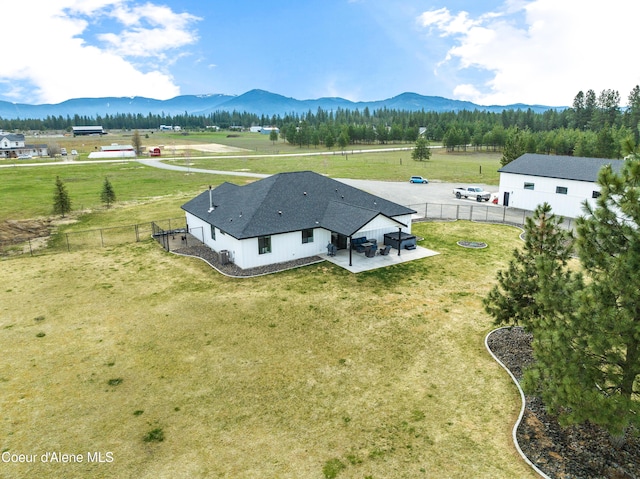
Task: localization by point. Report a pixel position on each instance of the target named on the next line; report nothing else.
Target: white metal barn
(565, 182)
(289, 216)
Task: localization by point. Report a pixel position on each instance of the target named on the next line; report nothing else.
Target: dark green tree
(273, 135)
(586, 330)
(61, 200)
(515, 145)
(513, 299)
(607, 326)
(108, 195)
(421, 152)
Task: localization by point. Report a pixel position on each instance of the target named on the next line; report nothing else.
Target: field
(177, 371)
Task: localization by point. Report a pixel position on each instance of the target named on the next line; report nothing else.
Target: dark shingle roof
(290, 202)
(564, 167)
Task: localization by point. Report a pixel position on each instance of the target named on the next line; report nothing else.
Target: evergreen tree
(607, 327)
(273, 135)
(61, 200)
(421, 151)
(586, 330)
(108, 195)
(513, 299)
(515, 145)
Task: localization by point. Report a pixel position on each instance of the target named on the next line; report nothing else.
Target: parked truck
(472, 192)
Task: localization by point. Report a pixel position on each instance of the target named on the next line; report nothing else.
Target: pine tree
(513, 299)
(586, 329)
(421, 151)
(61, 200)
(108, 195)
(608, 320)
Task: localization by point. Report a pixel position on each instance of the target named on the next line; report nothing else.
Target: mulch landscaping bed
(575, 452)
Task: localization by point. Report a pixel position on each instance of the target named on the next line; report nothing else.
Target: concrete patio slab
(361, 263)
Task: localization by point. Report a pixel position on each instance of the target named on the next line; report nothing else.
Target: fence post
(101, 238)
(504, 214)
(471, 213)
(457, 212)
(68, 247)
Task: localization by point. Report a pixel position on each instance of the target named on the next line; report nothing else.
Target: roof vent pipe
(211, 207)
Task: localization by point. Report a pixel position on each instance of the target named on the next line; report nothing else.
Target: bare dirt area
(19, 231)
(576, 452)
(204, 147)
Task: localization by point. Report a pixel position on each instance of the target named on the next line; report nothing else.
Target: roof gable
(290, 202)
(555, 166)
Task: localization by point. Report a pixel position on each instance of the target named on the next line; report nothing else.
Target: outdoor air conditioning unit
(224, 257)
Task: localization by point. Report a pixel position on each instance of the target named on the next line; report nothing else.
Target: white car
(24, 157)
(74, 152)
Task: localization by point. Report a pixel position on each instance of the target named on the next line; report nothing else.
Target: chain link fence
(66, 242)
(170, 233)
(476, 212)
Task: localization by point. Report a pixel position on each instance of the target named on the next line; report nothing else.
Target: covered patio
(360, 262)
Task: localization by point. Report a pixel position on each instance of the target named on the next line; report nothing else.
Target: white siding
(380, 225)
(244, 253)
(544, 189)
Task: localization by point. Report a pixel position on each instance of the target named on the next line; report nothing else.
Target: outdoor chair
(371, 251)
(385, 251)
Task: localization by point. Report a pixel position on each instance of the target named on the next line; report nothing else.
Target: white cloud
(541, 51)
(59, 62)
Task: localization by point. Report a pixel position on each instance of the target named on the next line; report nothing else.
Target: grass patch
(387, 383)
(155, 435)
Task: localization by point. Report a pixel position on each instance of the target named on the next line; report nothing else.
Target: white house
(12, 145)
(565, 182)
(289, 216)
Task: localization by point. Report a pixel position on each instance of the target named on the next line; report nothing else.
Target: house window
(529, 186)
(561, 190)
(213, 232)
(264, 244)
(595, 194)
(307, 236)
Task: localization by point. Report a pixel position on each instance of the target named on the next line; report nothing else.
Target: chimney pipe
(211, 208)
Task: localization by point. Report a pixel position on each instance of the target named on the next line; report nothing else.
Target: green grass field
(178, 371)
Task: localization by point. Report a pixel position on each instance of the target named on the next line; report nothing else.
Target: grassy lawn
(180, 372)
(381, 374)
(480, 167)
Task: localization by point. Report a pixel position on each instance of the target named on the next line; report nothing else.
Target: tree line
(595, 125)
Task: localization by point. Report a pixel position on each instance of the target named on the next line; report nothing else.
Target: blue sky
(489, 52)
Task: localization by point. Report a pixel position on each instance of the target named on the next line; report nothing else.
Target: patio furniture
(385, 251)
(370, 252)
(360, 244)
(332, 249)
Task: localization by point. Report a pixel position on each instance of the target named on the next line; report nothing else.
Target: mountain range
(259, 102)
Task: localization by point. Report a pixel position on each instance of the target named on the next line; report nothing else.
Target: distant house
(565, 182)
(114, 151)
(266, 130)
(289, 216)
(12, 145)
(87, 130)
